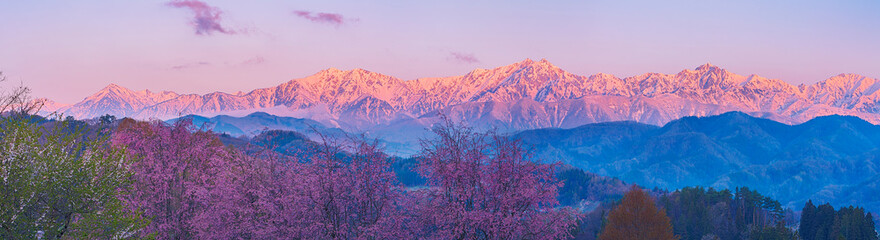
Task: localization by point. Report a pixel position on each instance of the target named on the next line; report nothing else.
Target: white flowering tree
(57, 180)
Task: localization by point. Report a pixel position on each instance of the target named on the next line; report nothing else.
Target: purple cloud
(206, 19)
(330, 18)
(464, 57)
(190, 65)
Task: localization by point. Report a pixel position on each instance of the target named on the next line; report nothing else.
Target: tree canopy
(637, 218)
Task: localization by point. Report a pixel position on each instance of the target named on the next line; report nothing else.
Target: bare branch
(18, 101)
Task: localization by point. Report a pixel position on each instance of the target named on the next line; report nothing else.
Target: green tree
(58, 181)
(851, 223)
(778, 232)
(808, 224)
(691, 219)
(823, 222)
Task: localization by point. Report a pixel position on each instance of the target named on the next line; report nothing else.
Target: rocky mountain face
(118, 101)
(524, 95)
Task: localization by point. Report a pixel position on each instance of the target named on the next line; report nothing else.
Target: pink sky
(67, 50)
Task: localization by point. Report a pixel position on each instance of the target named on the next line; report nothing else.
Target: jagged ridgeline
(524, 95)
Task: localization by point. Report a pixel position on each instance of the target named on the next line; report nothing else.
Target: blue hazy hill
(255, 123)
(831, 158)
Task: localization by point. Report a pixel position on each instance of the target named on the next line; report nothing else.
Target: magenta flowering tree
(350, 192)
(186, 181)
(481, 186)
(191, 186)
(487, 186)
(238, 203)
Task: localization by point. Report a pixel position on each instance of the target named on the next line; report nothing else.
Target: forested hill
(832, 158)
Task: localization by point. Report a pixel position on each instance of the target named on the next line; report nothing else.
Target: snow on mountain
(524, 95)
(358, 92)
(848, 91)
(49, 106)
(525, 80)
(116, 100)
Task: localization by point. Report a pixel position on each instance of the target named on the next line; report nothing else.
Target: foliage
(580, 185)
(106, 119)
(637, 218)
(592, 223)
(195, 187)
(407, 171)
(487, 186)
(823, 222)
(178, 178)
(61, 181)
(349, 191)
(697, 212)
(778, 232)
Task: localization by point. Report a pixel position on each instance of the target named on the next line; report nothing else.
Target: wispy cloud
(253, 61)
(206, 19)
(463, 57)
(328, 18)
(190, 65)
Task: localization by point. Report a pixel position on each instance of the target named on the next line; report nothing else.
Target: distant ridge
(524, 95)
(827, 159)
(257, 123)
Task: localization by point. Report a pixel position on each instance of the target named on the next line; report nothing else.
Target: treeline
(689, 213)
(705, 214)
(823, 222)
(699, 213)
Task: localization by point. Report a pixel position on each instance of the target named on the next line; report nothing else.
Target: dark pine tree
(808, 225)
(823, 222)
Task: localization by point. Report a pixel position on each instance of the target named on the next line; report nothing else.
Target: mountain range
(524, 95)
(700, 127)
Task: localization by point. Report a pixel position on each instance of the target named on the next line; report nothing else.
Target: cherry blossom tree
(194, 187)
(350, 192)
(487, 186)
(179, 174)
(481, 185)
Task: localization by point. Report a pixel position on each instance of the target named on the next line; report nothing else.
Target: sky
(67, 50)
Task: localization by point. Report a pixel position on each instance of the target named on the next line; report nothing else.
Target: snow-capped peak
(360, 95)
(706, 66)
